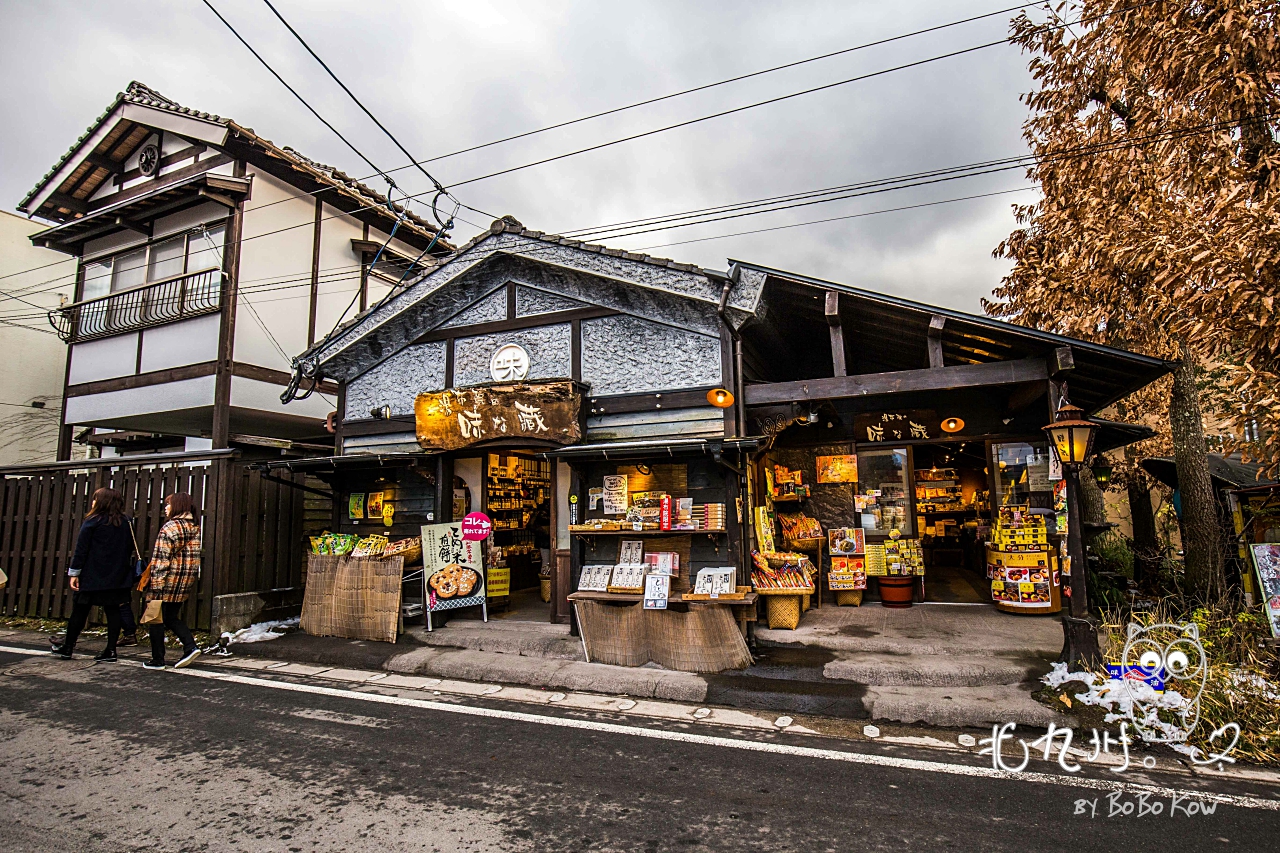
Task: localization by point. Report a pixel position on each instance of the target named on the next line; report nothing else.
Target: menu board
(453, 567)
(1266, 559)
(847, 573)
(615, 494)
(846, 541)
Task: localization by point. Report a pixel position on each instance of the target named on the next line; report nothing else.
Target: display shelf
(677, 598)
(708, 531)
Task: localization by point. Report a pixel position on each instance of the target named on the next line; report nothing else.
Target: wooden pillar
(838, 365)
(576, 489)
(936, 322)
(221, 428)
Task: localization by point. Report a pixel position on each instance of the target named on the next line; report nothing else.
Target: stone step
(879, 669)
(961, 706)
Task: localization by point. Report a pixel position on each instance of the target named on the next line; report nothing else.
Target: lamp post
(1072, 438)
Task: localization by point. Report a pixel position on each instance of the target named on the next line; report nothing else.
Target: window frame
(148, 247)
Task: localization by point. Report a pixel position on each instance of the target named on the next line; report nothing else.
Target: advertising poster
(657, 590)
(846, 541)
(615, 495)
(847, 573)
(355, 506)
(1266, 559)
(838, 469)
(453, 566)
(373, 505)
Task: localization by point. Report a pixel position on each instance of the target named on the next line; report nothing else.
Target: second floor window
(200, 249)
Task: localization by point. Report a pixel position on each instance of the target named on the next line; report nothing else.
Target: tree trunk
(1201, 536)
(1146, 550)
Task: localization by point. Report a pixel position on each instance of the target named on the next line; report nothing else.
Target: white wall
(34, 357)
(265, 396)
(105, 358)
(187, 342)
(339, 270)
(264, 262)
(169, 397)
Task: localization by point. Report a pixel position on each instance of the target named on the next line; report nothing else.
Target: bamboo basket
(544, 589)
(849, 597)
(783, 611)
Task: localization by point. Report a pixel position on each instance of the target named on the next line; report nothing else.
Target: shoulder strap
(132, 535)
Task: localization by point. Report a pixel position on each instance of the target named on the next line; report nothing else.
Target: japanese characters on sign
(457, 418)
(896, 426)
(476, 527)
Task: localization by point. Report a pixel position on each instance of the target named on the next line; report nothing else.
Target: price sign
(476, 527)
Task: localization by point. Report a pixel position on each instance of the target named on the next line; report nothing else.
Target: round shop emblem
(510, 363)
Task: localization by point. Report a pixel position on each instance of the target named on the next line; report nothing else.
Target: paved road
(113, 758)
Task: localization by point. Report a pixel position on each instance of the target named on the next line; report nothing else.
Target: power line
(380, 172)
(301, 99)
(839, 218)
(351, 94)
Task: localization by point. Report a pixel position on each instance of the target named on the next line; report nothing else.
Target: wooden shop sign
(462, 417)
(902, 425)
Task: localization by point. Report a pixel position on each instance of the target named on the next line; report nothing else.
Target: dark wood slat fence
(254, 529)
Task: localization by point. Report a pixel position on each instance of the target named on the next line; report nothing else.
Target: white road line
(731, 743)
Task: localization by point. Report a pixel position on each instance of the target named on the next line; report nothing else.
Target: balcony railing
(142, 307)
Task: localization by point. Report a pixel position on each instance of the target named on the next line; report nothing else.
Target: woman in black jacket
(101, 571)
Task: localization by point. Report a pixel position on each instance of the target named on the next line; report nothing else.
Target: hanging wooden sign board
(462, 417)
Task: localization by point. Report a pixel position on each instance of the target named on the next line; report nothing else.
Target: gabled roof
(116, 144)
(897, 330)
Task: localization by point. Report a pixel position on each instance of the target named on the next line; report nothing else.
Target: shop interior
(514, 489)
(944, 495)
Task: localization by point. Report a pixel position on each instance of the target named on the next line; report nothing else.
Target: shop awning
(1225, 473)
(334, 463)
(651, 447)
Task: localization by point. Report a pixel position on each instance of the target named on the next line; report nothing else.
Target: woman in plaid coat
(174, 569)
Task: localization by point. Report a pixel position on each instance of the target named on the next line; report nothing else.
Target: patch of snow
(262, 631)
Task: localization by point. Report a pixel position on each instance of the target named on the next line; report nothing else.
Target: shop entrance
(514, 489)
(953, 517)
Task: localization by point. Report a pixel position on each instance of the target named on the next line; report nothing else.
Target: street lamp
(1102, 471)
(1072, 438)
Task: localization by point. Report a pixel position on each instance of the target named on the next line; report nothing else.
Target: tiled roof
(143, 95)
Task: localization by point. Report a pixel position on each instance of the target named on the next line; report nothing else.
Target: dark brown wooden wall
(254, 530)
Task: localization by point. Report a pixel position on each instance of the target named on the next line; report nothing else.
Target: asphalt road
(115, 758)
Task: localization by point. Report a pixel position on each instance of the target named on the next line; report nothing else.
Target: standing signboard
(1266, 559)
(453, 570)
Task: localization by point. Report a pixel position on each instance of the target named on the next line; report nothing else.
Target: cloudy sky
(446, 76)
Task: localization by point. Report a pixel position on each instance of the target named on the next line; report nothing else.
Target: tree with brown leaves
(1153, 126)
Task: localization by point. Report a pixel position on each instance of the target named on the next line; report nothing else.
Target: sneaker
(153, 665)
(187, 659)
(61, 652)
(128, 640)
(106, 656)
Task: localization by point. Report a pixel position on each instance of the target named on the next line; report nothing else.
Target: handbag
(152, 615)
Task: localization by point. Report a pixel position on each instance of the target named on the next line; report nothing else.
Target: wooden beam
(314, 296)
(936, 322)
(125, 222)
(104, 162)
(900, 382)
(142, 380)
(275, 377)
(838, 366)
(623, 403)
(75, 205)
(221, 199)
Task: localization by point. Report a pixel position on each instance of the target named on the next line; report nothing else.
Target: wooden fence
(254, 529)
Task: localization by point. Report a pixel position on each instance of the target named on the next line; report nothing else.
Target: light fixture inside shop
(1072, 435)
(952, 424)
(721, 398)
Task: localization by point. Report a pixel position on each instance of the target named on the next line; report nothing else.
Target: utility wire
(301, 99)
(379, 172)
(351, 95)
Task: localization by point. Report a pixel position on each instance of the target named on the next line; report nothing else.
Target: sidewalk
(938, 665)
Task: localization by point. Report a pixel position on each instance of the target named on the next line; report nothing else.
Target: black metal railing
(140, 307)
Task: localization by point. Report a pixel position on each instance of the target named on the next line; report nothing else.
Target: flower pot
(897, 590)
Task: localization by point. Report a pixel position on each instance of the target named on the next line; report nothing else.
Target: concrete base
(233, 612)
(961, 706)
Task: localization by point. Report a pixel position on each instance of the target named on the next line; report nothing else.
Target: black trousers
(83, 602)
(172, 613)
